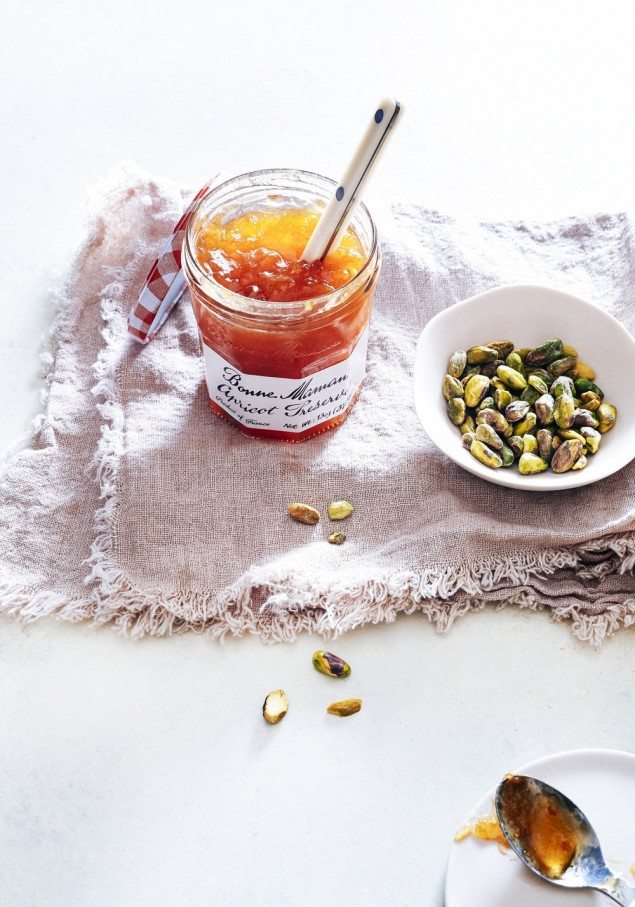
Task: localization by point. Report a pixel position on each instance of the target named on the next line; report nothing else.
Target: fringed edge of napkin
(279, 607)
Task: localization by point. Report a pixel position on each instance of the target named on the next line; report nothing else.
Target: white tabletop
(141, 773)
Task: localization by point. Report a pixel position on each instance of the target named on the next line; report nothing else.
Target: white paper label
(285, 404)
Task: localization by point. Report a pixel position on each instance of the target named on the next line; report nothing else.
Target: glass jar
(284, 370)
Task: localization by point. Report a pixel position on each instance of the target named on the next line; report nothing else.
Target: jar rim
(246, 305)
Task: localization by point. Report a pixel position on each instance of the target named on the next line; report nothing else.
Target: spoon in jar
(554, 838)
(340, 208)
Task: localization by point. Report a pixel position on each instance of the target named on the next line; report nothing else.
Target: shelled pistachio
(275, 706)
(330, 664)
(344, 707)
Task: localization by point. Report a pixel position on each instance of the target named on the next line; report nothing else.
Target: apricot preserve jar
(284, 341)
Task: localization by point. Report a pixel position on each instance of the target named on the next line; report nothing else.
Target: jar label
(285, 404)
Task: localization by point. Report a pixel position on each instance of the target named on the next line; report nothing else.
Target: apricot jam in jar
(284, 340)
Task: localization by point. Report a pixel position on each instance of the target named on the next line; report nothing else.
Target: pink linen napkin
(133, 505)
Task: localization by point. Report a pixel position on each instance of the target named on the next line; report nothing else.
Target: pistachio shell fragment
(511, 378)
(487, 435)
(544, 354)
(516, 411)
(484, 455)
(304, 514)
(566, 455)
(475, 389)
(340, 510)
(607, 414)
(456, 410)
(275, 706)
(336, 538)
(530, 464)
(344, 707)
(477, 355)
(451, 387)
(329, 664)
(457, 363)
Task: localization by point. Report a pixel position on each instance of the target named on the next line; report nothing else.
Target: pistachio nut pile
(535, 408)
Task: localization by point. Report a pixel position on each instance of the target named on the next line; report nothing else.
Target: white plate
(602, 784)
(529, 315)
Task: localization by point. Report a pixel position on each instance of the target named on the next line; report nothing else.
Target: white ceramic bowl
(529, 315)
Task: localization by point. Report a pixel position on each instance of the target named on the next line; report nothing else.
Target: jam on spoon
(554, 838)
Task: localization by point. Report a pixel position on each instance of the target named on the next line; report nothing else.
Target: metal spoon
(516, 799)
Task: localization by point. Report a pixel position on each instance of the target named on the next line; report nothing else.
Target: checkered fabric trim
(165, 283)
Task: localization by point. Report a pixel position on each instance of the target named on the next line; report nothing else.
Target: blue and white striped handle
(339, 210)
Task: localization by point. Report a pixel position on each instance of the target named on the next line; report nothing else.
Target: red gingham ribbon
(165, 282)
